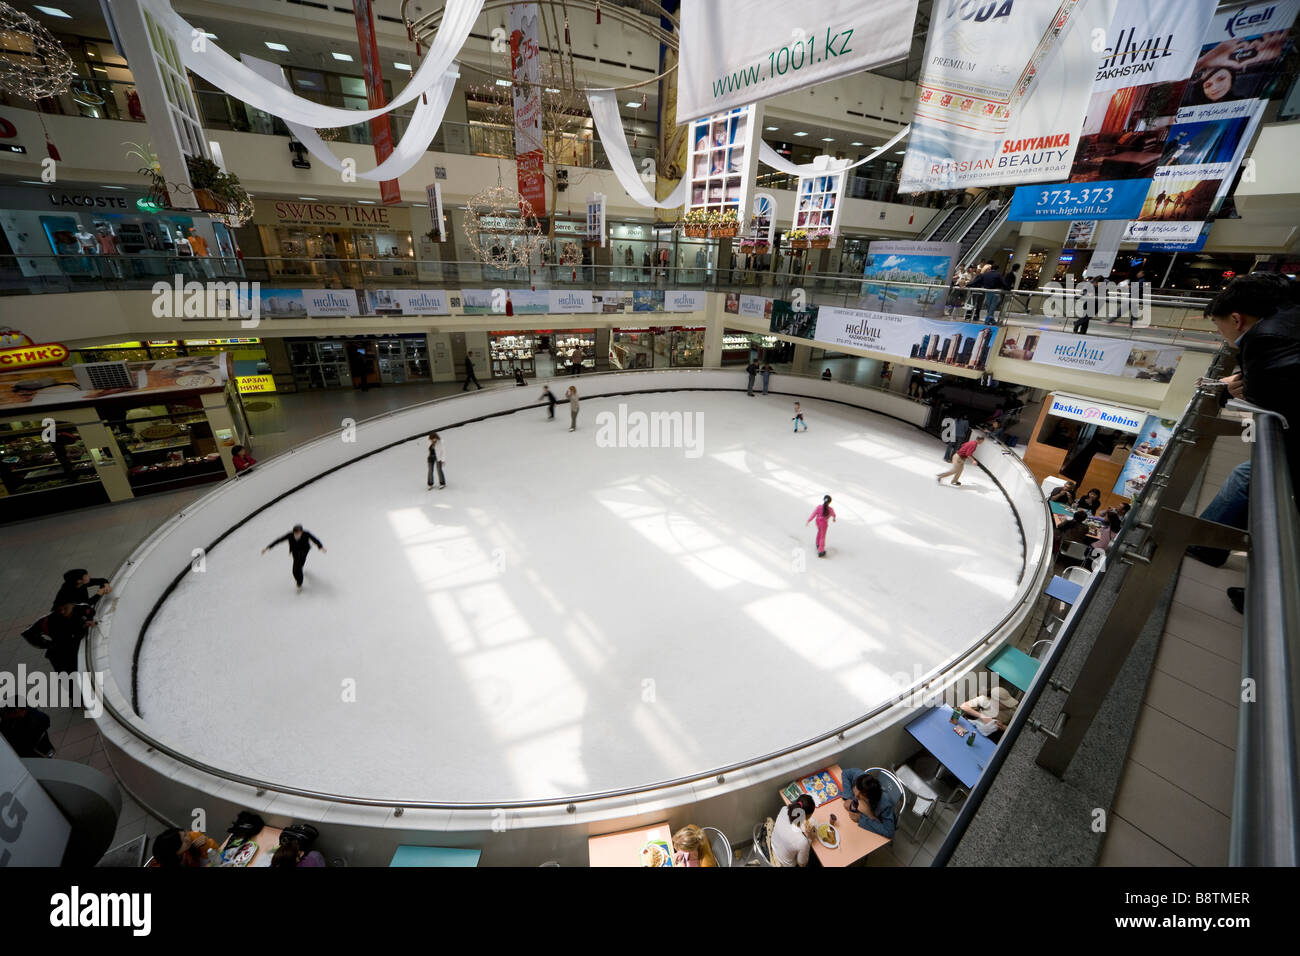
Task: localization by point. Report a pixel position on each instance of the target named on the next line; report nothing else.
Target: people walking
(823, 514)
(752, 371)
(798, 418)
(964, 454)
(766, 372)
(470, 377)
(572, 396)
(549, 397)
(436, 461)
(300, 543)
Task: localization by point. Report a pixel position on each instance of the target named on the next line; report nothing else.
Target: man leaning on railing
(1257, 314)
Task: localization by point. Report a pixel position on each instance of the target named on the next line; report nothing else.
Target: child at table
(691, 848)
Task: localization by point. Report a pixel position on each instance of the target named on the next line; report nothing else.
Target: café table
(1067, 592)
(1061, 511)
(1014, 666)
(434, 856)
(855, 842)
(267, 840)
(624, 847)
(933, 730)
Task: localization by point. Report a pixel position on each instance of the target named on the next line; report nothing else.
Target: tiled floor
(1175, 794)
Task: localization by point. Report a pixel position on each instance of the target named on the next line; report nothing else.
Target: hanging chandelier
(33, 64)
(501, 229)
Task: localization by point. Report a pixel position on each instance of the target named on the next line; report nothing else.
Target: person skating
(964, 454)
(300, 543)
(752, 371)
(798, 419)
(823, 514)
(469, 374)
(549, 397)
(436, 461)
(572, 396)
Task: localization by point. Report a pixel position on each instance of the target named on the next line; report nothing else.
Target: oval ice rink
(567, 618)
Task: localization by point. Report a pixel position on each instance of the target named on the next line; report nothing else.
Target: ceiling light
(504, 83)
(773, 129)
(901, 152)
(105, 186)
(828, 139)
(406, 67)
(309, 199)
(53, 12)
(368, 202)
(345, 57)
(635, 105)
(856, 143)
(276, 46)
(801, 133)
(550, 89)
(210, 36)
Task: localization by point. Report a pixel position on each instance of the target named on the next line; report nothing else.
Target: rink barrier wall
(364, 831)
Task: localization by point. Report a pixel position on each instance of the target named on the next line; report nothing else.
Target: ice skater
(300, 543)
(964, 454)
(436, 461)
(549, 397)
(572, 396)
(823, 514)
(798, 419)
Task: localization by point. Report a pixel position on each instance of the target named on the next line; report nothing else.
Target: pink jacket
(820, 518)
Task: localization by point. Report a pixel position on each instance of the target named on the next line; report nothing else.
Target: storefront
(656, 347)
(739, 347)
(513, 350)
(1083, 440)
(360, 362)
(341, 243)
(102, 232)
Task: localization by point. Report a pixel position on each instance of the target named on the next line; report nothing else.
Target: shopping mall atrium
(379, 484)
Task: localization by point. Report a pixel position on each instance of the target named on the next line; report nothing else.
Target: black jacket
(1270, 369)
(78, 593)
(988, 280)
(65, 636)
(298, 546)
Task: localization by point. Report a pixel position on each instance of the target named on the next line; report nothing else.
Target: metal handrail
(126, 722)
(1266, 794)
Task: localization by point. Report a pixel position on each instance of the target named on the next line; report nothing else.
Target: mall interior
(633, 650)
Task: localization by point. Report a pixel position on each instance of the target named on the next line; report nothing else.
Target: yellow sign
(249, 384)
(30, 354)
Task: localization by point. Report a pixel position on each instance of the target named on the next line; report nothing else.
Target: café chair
(719, 844)
(924, 799)
(760, 853)
(1078, 575)
(891, 785)
(1074, 551)
(1051, 484)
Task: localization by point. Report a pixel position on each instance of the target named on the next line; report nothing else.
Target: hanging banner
(1154, 437)
(570, 300)
(926, 267)
(818, 206)
(596, 232)
(1139, 84)
(722, 162)
(1080, 233)
(693, 300)
(1002, 92)
(1119, 417)
(741, 51)
(1222, 107)
(407, 302)
(960, 344)
(1108, 239)
(1101, 355)
(525, 68)
(434, 192)
(381, 131)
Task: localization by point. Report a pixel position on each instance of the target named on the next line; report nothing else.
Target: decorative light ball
(33, 65)
(570, 254)
(508, 248)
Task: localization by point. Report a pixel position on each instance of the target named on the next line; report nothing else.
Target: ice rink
(568, 618)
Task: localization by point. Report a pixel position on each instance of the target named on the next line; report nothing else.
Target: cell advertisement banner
(1222, 106)
(1139, 84)
(1103, 356)
(1153, 438)
(691, 300)
(735, 52)
(526, 93)
(1002, 92)
(926, 267)
(407, 302)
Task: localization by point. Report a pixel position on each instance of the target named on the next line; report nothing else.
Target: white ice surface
(566, 618)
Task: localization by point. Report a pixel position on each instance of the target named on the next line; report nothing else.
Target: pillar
(1024, 246)
(1051, 260)
(799, 364)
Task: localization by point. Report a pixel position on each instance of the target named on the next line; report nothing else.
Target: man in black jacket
(989, 280)
(300, 543)
(65, 629)
(470, 377)
(76, 589)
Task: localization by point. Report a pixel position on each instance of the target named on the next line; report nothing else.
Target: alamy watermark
(1099, 300)
(626, 429)
(208, 300)
(39, 689)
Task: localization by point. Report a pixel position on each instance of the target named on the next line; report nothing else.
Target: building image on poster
(1002, 92)
(526, 92)
(908, 278)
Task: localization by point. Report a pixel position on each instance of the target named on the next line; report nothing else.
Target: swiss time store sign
(288, 213)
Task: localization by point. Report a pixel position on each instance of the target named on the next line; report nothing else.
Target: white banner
(570, 300)
(1002, 92)
(1098, 413)
(596, 231)
(328, 303)
(741, 51)
(756, 306)
(684, 301)
(1106, 247)
(408, 302)
(961, 344)
(1105, 356)
(526, 93)
(434, 192)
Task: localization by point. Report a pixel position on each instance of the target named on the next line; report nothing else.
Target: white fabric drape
(407, 152)
(609, 127)
(240, 81)
(770, 157)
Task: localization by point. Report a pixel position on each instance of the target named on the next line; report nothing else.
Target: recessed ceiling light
(309, 198)
(33, 182)
(53, 12)
(406, 67)
(368, 202)
(828, 139)
(276, 46)
(105, 186)
(345, 57)
(504, 83)
(420, 204)
(210, 36)
(801, 133)
(856, 143)
(634, 105)
(901, 152)
(551, 89)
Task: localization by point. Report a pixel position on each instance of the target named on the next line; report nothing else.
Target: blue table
(434, 856)
(934, 732)
(1014, 666)
(1063, 590)
(1060, 509)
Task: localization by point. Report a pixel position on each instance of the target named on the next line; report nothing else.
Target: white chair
(924, 799)
(1078, 576)
(719, 844)
(759, 853)
(1051, 484)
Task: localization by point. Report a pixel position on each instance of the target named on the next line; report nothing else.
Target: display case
(512, 350)
(165, 445)
(29, 463)
(566, 341)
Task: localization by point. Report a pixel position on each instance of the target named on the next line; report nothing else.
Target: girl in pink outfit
(823, 514)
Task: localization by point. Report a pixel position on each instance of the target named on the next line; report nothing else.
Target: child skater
(798, 418)
(823, 514)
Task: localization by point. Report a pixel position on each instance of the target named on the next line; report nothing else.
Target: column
(1051, 260)
(799, 364)
(1024, 246)
(715, 323)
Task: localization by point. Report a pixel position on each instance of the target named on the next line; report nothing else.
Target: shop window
(165, 446)
(28, 463)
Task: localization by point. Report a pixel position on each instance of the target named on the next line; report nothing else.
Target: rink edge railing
(1028, 595)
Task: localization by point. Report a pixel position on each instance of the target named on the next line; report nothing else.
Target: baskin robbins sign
(1097, 413)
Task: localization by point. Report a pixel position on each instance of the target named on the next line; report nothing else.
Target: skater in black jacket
(300, 543)
(549, 397)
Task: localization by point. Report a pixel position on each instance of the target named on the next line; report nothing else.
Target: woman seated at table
(869, 805)
(792, 834)
(291, 853)
(1114, 518)
(177, 848)
(991, 713)
(1064, 495)
(691, 848)
(1091, 501)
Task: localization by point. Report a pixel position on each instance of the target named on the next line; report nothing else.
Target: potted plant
(798, 238)
(696, 223)
(820, 239)
(214, 189)
(152, 168)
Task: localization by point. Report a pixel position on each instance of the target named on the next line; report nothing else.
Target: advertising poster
(569, 301)
(476, 301)
(647, 300)
(1139, 84)
(407, 302)
(611, 303)
(721, 156)
(596, 232)
(1104, 356)
(434, 194)
(819, 203)
(157, 376)
(785, 320)
(961, 344)
(524, 302)
(526, 92)
(1153, 437)
(1222, 106)
(1002, 92)
(315, 303)
(735, 52)
(1080, 233)
(927, 265)
(690, 300)
(755, 306)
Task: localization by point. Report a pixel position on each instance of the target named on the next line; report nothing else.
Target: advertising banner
(1154, 437)
(596, 219)
(476, 301)
(524, 302)
(755, 306)
(316, 303)
(820, 200)
(610, 302)
(928, 265)
(961, 344)
(434, 192)
(647, 300)
(1139, 84)
(1117, 417)
(1002, 92)
(155, 377)
(1080, 233)
(735, 52)
(407, 302)
(569, 301)
(1107, 240)
(525, 69)
(381, 130)
(1102, 355)
(691, 300)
